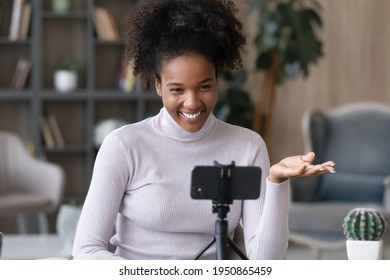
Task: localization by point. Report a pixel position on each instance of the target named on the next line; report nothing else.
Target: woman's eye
(205, 87)
(175, 90)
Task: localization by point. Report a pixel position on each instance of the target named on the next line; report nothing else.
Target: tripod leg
(221, 237)
(236, 249)
(205, 249)
(221, 247)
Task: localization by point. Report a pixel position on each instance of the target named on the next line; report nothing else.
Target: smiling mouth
(191, 116)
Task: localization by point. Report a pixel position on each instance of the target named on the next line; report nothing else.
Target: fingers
(319, 169)
(302, 169)
(328, 166)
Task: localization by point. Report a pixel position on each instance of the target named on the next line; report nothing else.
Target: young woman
(142, 174)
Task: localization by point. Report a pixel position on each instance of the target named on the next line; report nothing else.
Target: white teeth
(191, 116)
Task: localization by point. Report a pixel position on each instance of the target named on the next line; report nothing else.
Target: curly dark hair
(163, 29)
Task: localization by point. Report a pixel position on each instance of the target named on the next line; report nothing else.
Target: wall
(356, 67)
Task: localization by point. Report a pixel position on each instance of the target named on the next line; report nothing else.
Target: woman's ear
(157, 84)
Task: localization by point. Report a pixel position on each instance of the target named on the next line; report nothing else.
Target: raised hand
(298, 166)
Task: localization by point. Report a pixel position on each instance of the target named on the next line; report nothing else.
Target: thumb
(309, 157)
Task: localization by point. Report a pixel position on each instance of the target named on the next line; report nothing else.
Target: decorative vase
(60, 6)
(364, 249)
(104, 127)
(65, 80)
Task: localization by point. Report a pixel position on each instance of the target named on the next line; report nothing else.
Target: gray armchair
(357, 138)
(28, 187)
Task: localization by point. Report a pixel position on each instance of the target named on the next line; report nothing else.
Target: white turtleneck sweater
(141, 184)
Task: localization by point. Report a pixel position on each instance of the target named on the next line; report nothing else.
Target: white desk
(33, 246)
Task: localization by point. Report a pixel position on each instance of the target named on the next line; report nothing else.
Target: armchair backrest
(357, 138)
(12, 155)
(20, 172)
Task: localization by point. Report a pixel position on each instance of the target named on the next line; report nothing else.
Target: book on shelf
(21, 73)
(55, 131)
(127, 80)
(105, 26)
(110, 19)
(98, 24)
(25, 21)
(20, 20)
(1, 13)
(46, 133)
(16, 15)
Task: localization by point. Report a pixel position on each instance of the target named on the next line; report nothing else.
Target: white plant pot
(65, 80)
(364, 250)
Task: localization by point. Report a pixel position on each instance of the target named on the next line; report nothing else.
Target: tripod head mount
(224, 186)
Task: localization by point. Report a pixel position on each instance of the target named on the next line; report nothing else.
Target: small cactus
(364, 224)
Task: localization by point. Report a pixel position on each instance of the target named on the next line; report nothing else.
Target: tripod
(221, 207)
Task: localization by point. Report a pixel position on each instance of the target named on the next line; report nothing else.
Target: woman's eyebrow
(173, 84)
(179, 84)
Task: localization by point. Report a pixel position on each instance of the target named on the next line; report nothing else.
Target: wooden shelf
(50, 37)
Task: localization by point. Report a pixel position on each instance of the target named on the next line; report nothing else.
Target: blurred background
(354, 68)
(63, 86)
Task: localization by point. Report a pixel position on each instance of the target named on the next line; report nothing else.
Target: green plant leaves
(264, 60)
(68, 63)
(289, 29)
(234, 104)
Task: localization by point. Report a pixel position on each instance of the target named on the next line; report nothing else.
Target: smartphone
(216, 182)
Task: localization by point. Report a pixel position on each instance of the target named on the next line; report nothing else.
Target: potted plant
(287, 43)
(66, 75)
(364, 228)
(234, 104)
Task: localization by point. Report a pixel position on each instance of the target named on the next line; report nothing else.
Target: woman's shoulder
(237, 131)
(131, 131)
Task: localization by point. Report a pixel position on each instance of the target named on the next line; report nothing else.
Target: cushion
(351, 187)
(15, 203)
(325, 217)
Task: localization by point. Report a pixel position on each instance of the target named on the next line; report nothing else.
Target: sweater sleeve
(109, 180)
(265, 220)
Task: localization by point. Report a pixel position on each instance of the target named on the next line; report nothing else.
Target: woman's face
(188, 89)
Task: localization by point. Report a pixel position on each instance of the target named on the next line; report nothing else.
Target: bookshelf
(51, 36)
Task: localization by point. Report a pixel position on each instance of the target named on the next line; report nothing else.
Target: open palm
(299, 166)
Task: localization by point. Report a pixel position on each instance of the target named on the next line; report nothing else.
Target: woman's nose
(192, 100)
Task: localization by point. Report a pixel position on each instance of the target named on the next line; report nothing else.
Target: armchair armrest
(304, 189)
(386, 196)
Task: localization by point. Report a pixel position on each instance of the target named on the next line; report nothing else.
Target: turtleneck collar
(169, 127)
